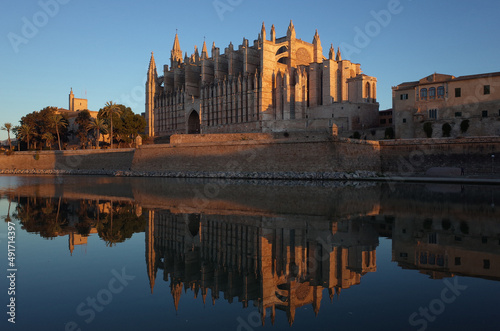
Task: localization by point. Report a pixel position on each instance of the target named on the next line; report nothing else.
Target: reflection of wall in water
(444, 247)
(277, 262)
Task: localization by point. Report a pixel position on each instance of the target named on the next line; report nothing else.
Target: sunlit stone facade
(276, 84)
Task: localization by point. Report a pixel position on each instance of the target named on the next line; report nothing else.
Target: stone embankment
(356, 175)
(285, 156)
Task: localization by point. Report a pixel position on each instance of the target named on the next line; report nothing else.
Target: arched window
(432, 92)
(283, 60)
(368, 90)
(440, 91)
(423, 93)
(282, 49)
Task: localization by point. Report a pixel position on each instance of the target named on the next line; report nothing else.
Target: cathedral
(275, 85)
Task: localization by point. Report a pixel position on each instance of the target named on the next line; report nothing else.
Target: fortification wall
(416, 156)
(272, 154)
(120, 159)
(258, 153)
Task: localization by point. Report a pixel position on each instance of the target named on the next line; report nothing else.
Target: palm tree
(25, 131)
(57, 120)
(109, 110)
(98, 125)
(8, 127)
(49, 139)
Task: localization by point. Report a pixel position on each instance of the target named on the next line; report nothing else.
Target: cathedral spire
(152, 64)
(204, 53)
(273, 34)
(316, 39)
(318, 50)
(339, 56)
(263, 32)
(332, 52)
(176, 53)
(291, 31)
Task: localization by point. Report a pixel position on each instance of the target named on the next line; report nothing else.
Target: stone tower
(150, 96)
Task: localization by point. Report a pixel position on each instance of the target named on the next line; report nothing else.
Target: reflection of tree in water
(44, 216)
(120, 223)
(52, 217)
(7, 217)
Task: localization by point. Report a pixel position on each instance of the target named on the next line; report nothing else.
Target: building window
(382, 121)
(423, 93)
(433, 113)
(486, 89)
(390, 120)
(458, 92)
(432, 92)
(440, 91)
(404, 120)
(458, 114)
(484, 113)
(433, 238)
(403, 254)
(458, 261)
(404, 96)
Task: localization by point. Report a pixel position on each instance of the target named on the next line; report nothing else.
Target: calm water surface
(99, 253)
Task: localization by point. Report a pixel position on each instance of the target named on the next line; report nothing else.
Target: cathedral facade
(275, 85)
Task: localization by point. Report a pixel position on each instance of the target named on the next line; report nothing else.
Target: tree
(98, 126)
(8, 127)
(49, 139)
(446, 129)
(109, 111)
(83, 120)
(58, 121)
(428, 129)
(25, 132)
(130, 125)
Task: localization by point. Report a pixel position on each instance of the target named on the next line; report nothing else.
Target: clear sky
(101, 48)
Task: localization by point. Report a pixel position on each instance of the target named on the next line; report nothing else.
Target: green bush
(428, 129)
(446, 130)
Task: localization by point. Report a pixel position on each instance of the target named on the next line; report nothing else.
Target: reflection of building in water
(448, 247)
(278, 263)
(76, 239)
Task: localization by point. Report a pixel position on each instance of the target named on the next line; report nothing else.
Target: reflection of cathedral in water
(276, 263)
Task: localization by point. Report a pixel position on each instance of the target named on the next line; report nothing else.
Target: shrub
(464, 126)
(446, 130)
(428, 129)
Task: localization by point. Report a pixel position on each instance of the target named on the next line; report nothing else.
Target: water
(99, 253)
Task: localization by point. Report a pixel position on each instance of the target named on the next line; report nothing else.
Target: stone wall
(273, 155)
(119, 159)
(253, 153)
(416, 156)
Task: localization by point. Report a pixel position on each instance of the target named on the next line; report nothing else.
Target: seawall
(259, 155)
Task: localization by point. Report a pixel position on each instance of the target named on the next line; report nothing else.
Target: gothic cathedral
(277, 84)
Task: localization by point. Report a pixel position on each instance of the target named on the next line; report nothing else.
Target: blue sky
(102, 48)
